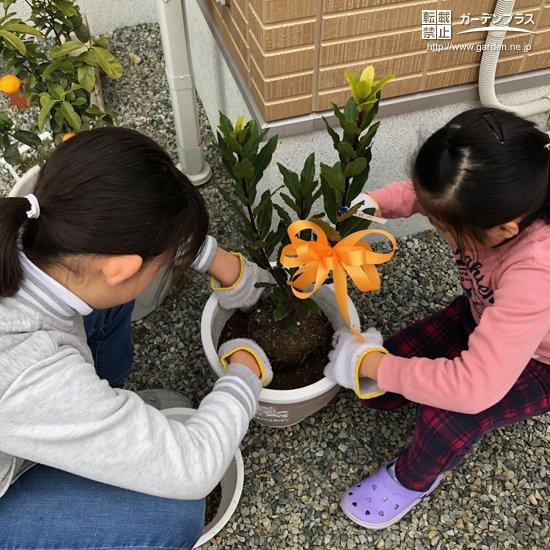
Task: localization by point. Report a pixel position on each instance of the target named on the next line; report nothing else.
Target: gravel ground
(295, 476)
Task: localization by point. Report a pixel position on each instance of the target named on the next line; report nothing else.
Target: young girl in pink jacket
(484, 361)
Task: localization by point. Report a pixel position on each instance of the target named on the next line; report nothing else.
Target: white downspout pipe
(175, 45)
(488, 66)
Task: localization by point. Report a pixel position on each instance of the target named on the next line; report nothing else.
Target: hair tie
(34, 211)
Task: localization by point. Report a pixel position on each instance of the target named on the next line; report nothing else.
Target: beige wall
(293, 53)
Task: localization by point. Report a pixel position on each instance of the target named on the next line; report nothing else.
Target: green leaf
(350, 110)
(53, 66)
(12, 155)
(264, 212)
(14, 41)
(355, 167)
(350, 129)
(310, 305)
(333, 176)
(382, 82)
(28, 138)
(86, 77)
(56, 91)
(70, 115)
(281, 311)
(83, 34)
(244, 170)
(291, 181)
(332, 133)
(225, 125)
(107, 62)
(283, 214)
(263, 158)
(16, 25)
(291, 324)
(330, 232)
(65, 49)
(330, 199)
(5, 120)
(345, 149)
(351, 225)
(47, 104)
(290, 203)
(308, 171)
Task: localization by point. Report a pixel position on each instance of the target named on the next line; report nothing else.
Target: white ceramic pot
(231, 483)
(150, 298)
(279, 408)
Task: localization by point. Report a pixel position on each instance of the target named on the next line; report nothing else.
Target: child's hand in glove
(227, 349)
(239, 275)
(345, 361)
(242, 293)
(368, 203)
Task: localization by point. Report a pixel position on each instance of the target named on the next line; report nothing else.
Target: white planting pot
(231, 483)
(279, 408)
(150, 298)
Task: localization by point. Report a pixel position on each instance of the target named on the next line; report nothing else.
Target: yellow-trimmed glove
(368, 203)
(345, 360)
(231, 346)
(242, 293)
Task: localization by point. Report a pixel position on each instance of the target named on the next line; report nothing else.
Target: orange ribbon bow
(315, 259)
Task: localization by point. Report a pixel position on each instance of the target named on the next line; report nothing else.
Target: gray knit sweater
(55, 410)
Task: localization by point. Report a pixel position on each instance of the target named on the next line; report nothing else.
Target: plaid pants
(442, 438)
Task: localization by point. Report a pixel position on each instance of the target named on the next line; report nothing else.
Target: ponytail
(13, 214)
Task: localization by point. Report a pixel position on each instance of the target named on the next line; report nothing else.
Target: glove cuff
(366, 388)
(215, 284)
(243, 293)
(206, 255)
(231, 346)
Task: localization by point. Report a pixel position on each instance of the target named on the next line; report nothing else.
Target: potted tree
(52, 67)
(307, 254)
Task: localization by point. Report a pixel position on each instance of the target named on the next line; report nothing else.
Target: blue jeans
(47, 508)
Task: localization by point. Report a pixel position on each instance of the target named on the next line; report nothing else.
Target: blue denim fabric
(109, 334)
(47, 508)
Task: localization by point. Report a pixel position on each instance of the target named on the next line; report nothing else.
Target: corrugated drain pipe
(488, 66)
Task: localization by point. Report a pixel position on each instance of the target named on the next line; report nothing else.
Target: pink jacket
(509, 293)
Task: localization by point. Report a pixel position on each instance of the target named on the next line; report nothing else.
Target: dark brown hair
(484, 168)
(110, 191)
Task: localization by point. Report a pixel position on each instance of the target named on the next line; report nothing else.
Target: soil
(212, 504)
(297, 358)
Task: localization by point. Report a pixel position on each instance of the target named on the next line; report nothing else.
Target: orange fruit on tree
(9, 84)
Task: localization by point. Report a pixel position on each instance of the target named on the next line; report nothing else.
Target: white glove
(231, 346)
(242, 293)
(345, 360)
(368, 204)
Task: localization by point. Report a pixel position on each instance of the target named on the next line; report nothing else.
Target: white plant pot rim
(296, 395)
(215, 528)
(25, 184)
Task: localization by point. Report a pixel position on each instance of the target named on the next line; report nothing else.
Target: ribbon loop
(315, 259)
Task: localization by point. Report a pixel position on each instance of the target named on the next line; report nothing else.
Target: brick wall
(293, 53)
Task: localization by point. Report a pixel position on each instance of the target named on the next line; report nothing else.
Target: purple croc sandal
(379, 501)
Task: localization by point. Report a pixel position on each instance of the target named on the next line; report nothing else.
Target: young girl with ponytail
(484, 361)
(84, 463)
